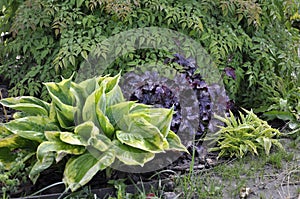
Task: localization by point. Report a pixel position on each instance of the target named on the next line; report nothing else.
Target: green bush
(89, 124)
(258, 40)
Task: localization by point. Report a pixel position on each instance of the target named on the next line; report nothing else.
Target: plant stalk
(4, 110)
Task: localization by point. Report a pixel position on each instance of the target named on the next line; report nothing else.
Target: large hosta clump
(91, 125)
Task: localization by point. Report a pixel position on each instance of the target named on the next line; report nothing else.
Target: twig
(187, 167)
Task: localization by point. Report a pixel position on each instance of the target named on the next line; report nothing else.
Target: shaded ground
(277, 176)
(274, 177)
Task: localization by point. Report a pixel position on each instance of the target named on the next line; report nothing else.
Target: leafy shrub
(91, 125)
(245, 134)
(285, 98)
(256, 39)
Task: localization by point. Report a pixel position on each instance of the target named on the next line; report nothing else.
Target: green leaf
(28, 104)
(71, 138)
(161, 118)
(32, 127)
(113, 92)
(175, 142)
(130, 155)
(80, 170)
(86, 131)
(60, 148)
(84, 55)
(118, 112)
(40, 166)
(72, 60)
(100, 142)
(90, 106)
(79, 3)
(16, 142)
(283, 115)
(267, 145)
(142, 135)
(63, 99)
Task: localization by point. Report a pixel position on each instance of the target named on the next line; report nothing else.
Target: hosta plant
(248, 133)
(91, 126)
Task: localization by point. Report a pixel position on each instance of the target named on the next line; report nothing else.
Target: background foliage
(258, 39)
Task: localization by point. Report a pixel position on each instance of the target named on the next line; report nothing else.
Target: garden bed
(274, 176)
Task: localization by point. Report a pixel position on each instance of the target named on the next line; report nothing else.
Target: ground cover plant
(90, 121)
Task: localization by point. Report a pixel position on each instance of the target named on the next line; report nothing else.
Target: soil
(269, 181)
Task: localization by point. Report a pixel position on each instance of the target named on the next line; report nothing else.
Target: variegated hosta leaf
(87, 134)
(64, 101)
(175, 142)
(143, 135)
(86, 131)
(28, 104)
(105, 125)
(40, 166)
(9, 144)
(94, 109)
(52, 135)
(60, 92)
(130, 155)
(113, 93)
(85, 88)
(90, 106)
(32, 127)
(80, 170)
(118, 113)
(17, 142)
(65, 116)
(71, 138)
(114, 96)
(109, 82)
(8, 157)
(66, 137)
(60, 148)
(80, 92)
(100, 142)
(159, 117)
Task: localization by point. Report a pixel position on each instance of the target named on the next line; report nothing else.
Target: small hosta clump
(245, 134)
